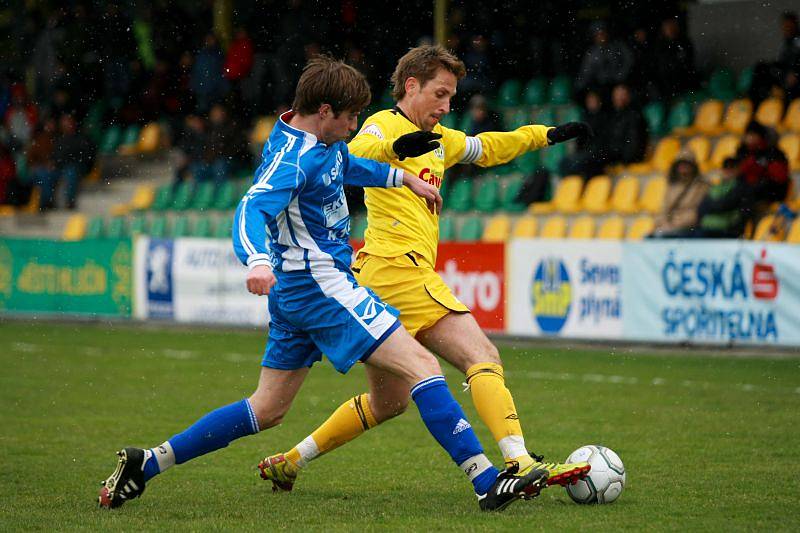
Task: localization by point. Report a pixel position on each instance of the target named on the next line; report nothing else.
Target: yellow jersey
(398, 221)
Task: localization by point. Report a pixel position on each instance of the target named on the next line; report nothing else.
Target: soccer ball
(606, 480)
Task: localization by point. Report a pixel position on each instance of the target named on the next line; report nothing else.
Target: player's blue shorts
(327, 312)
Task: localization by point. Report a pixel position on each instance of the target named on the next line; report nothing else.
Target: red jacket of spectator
(239, 60)
(766, 170)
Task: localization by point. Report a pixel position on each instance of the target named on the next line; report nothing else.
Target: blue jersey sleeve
(256, 214)
(368, 173)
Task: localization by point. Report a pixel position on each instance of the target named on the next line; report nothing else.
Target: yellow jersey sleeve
(500, 147)
(374, 140)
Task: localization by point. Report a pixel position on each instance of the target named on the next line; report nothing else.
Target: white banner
(712, 291)
(194, 280)
(564, 288)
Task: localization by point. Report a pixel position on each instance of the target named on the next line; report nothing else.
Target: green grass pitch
(708, 442)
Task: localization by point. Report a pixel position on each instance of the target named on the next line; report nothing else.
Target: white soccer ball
(605, 481)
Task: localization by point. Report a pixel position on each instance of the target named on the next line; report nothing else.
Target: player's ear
(411, 85)
(325, 110)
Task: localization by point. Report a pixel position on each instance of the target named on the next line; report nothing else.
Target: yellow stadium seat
(582, 228)
(33, 202)
(664, 154)
(769, 112)
(626, 195)
(726, 147)
(794, 232)
(75, 228)
(791, 122)
(565, 200)
(700, 146)
(640, 228)
(142, 198)
(149, 138)
(763, 227)
(653, 195)
(554, 227)
(612, 229)
(261, 130)
(738, 115)
(707, 119)
(596, 194)
(790, 144)
(525, 228)
(7, 210)
(497, 229)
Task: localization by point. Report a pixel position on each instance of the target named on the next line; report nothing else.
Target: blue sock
(449, 426)
(212, 432)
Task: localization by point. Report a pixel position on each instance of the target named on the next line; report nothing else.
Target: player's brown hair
(326, 80)
(422, 63)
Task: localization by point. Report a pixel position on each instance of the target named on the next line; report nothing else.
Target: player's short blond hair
(326, 80)
(422, 63)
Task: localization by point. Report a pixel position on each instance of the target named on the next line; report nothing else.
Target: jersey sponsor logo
(372, 129)
(330, 176)
(427, 175)
(334, 208)
(368, 309)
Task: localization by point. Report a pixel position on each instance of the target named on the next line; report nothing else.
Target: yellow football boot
(559, 473)
(280, 471)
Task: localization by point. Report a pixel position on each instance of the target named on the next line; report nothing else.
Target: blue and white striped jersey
(295, 215)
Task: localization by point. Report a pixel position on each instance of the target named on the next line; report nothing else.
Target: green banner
(92, 277)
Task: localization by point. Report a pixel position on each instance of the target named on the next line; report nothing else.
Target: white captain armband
(472, 151)
(395, 178)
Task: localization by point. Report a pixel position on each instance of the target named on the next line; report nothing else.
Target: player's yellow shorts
(410, 285)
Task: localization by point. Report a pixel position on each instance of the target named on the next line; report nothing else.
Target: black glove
(415, 144)
(568, 131)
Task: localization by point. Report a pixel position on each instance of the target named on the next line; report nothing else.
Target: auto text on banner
(719, 292)
(564, 288)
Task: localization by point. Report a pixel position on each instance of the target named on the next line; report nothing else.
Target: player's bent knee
(384, 409)
(267, 413)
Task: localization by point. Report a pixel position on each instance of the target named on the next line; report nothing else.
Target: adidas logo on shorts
(461, 426)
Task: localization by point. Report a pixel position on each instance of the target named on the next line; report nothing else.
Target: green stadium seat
(163, 199)
(131, 135)
(138, 225)
(509, 193)
(225, 197)
(535, 92)
(744, 81)
(358, 227)
(447, 228)
(21, 161)
(459, 195)
(181, 227)
(158, 227)
(450, 120)
(204, 196)
(721, 85)
(471, 229)
(545, 115)
(560, 90)
(110, 140)
(680, 116)
(552, 156)
(465, 122)
(202, 227)
(93, 123)
(655, 116)
(528, 162)
(94, 229)
(695, 97)
(508, 95)
(570, 113)
(224, 227)
(183, 196)
(116, 228)
(516, 117)
(387, 101)
(487, 195)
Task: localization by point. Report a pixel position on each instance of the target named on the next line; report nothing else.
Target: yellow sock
(350, 420)
(496, 408)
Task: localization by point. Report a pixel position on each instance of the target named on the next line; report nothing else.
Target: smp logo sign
(551, 295)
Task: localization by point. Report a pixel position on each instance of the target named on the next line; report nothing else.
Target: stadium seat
(700, 146)
(624, 199)
(450, 120)
(516, 117)
(94, 229)
(110, 139)
(359, 226)
(790, 144)
(525, 228)
(447, 228)
(793, 236)
(582, 228)
(225, 197)
(654, 115)
(552, 156)
(116, 228)
(149, 138)
(737, 115)
(707, 119)
(570, 113)
(75, 228)
(545, 115)
(596, 194)
(487, 195)
(202, 227)
(664, 154)
(471, 229)
(181, 227)
(204, 196)
(640, 228)
(612, 229)
(183, 196)
(262, 129)
(770, 112)
(744, 81)
(459, 196)
(163, 198)
(725, 147)
(721, 85)
(554, 227)
(528, 162)
(652, 199)
(508, 195)
(497, 229)
(138, 225)
(224, 228)
(680, 116)
(93, 122)
(762, 232)
(508, 95)
(535, 92)
(158, 227)
(143, 198)
(130, 140)
(565, 200)
(560, 90)
(791, 122)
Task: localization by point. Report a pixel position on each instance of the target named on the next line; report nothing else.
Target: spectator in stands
(480, 77)
(685, 190)
(626, 131)
(726, 207)
(21, 118)
(238, 64)
(641, 78)
(8, 173)
(41, 165)
(74, 155)
(190, 149)
(591, 155)
(221, 146)
(673, 61)
(789, 55)
(763, 165)
(482, 117)
(207, 82)
(605, 64)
